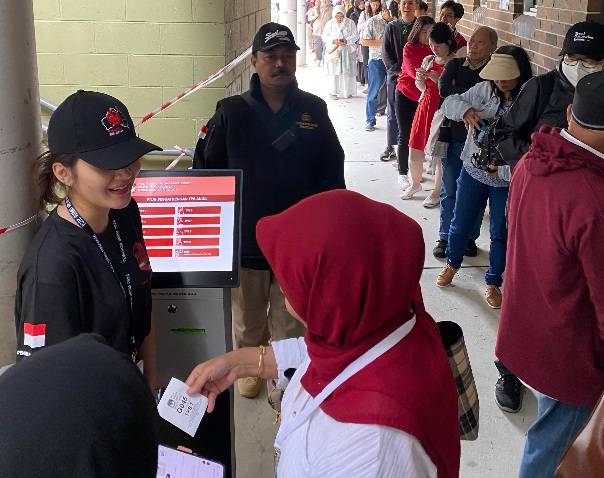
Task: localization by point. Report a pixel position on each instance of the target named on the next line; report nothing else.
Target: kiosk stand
(191, 326)
(191, 223)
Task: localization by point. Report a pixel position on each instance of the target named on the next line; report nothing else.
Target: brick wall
(541, 34)
(145, 53)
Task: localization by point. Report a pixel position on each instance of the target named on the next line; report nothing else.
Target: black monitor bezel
(203, 279)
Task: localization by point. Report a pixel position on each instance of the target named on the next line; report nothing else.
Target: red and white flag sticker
(203, 131)
(34, 335)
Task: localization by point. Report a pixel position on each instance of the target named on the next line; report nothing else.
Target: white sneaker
(431, 202)
(403, 181)
(410, 192)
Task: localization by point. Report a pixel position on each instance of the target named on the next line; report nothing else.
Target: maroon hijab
(350, 267)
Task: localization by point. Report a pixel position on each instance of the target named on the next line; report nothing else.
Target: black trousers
(405, 111)
(392, 124)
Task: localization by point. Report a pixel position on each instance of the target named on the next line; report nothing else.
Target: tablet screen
(173, 463)
(190, 226)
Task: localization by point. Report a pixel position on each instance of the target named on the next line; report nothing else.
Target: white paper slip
(182, 410)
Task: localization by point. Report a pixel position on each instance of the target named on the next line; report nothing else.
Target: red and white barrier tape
(23, 223)
(210, 79)
(183, 153)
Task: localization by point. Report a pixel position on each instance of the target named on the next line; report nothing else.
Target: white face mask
(575, 73)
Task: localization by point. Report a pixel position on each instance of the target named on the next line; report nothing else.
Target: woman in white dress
(340, 36)
(349, 268)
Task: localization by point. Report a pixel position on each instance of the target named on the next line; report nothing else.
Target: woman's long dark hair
(524, 65)
(420, 22)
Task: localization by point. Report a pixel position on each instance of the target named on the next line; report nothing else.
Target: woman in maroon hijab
(373, 394)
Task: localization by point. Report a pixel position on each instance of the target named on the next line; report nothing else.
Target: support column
(19, 145)
(301, 35)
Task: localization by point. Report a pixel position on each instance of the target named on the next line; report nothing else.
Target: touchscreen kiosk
(191, 222)
(191, 226)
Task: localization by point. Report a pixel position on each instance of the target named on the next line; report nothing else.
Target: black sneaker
(387, 155)
(508, 390)
(440, 251)
(471, 249)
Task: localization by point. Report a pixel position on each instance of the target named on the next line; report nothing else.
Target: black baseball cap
(98, 129)
(585, 38)
(588, 102)
(271, 35)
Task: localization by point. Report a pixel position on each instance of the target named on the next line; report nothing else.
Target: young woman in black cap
(87, 269)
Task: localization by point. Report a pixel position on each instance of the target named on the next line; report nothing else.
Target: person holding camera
(479, 181)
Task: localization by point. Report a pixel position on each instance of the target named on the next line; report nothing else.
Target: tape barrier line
(183, 153)
(210, 79)
(18, 225)
(168, 104)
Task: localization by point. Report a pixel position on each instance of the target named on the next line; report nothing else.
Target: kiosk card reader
(191, 225)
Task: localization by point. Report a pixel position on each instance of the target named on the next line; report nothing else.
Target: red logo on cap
(114, 122)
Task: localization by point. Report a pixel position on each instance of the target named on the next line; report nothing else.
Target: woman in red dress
(407, 95)
(443, 45)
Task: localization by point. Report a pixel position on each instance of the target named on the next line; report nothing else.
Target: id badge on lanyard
(361, 362)
(127, 290)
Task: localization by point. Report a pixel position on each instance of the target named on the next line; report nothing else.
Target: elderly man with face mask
(283, 140)
(544, 99)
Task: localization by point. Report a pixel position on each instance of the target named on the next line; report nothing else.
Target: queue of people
(322, 299)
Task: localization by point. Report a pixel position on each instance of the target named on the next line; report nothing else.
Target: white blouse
(324, 447)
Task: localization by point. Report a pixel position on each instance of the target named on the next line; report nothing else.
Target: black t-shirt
(65, 286)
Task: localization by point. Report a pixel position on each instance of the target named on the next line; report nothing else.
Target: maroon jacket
(551, 332)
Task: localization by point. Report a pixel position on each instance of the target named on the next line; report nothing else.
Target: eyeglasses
(584, 63)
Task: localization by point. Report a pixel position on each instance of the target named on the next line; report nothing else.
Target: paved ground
(497, 451)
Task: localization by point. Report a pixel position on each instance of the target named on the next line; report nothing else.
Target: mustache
(281, 72)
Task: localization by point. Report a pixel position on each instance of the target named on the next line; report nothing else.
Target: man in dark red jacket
(551, 333)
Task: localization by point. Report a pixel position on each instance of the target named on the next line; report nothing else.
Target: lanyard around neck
(361, 362)
(127, 290)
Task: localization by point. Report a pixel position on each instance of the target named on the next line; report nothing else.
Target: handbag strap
(361, 362)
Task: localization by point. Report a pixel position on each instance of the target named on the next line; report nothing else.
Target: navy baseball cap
(271, 35)
(97, 128)
(585, 38)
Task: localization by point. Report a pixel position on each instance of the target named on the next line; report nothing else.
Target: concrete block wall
(541, 35)
(146, 52)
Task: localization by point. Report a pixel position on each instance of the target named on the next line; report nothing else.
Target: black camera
(487, 156)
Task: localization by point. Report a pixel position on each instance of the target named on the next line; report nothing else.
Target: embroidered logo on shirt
(34, 335)
(306, 122)
(114, 122)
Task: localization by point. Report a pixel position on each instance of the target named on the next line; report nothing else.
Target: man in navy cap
(283, 140)
(551, 332)
(543, 101)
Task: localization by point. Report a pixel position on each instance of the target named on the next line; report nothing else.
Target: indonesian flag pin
(204, 131)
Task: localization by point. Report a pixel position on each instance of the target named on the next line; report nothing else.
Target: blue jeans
(376, 78)
(452, 165)
(472, 196)
(556, 426)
